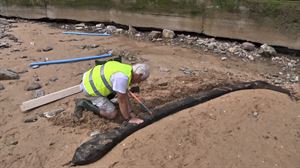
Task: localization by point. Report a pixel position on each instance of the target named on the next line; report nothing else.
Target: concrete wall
(265, 21)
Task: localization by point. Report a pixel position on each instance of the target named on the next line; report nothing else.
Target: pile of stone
(225, 49)
(5, 38)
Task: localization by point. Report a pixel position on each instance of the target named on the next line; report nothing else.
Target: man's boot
(78, 111)
(85, 104)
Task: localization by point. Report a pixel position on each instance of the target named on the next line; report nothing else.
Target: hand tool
(140, 102)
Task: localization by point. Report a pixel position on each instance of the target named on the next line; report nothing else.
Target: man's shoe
(78, 112)
(85, 104)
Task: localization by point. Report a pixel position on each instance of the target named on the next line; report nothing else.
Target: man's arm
(123, 104)
(124, 108)
(119, 82)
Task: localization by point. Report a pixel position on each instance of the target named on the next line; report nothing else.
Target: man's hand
(135, 89)
(135, 121)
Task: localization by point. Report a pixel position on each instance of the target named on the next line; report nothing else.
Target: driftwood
(33, 103)
(97, 147)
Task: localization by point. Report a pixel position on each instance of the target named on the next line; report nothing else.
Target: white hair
(141, 69)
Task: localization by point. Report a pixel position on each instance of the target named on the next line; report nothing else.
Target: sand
(257, 128)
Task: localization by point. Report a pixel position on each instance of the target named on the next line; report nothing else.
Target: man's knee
(110, 115)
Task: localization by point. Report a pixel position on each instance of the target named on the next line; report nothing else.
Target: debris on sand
(225, 48)
(30, 119)
(2, 86)
(33, 86)
(7, 74)
(52, 113)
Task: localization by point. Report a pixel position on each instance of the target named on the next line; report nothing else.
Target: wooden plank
(30, 104)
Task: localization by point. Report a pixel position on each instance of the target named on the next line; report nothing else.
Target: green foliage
(227, 5)
(82, 3)
(272, 8)
(26, 2)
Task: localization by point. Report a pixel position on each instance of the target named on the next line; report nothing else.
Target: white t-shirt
(119, 82)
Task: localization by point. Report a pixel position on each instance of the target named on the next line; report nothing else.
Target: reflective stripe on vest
(97, 80)
(104, 80)
(92, 83)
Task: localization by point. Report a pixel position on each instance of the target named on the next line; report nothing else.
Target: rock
(94, 133)
(47, 49)
(33, 86)
(201, 42)
(138, 35)
(22, 71)
(163, 83)
(211, 40)
(80, 25)
(4, 45)
(100, 26)
(94, 46)
(190, 41)
(168, 33)
(211, 46)
(30, 119)
(232, 49)
(292, 63)
(248, 46)
(52, 113)
(78, 28)
(188, 72)
(3, 21)
(255, 114)
(38, 93)
(224, 58)
(53, 79)
(183, 68)
(7, 74)
(36, 78)
(161, 69)
(267, 51)
(111, 29)
(15, 50)
(2, 35)
(278, 81)
(131, 30)
(13, 142)
(188, 37)
(294, 79)
(12, 37)
(119, 31)
(250, 57)
(154, 34)
(2, 86)
(89, 46)
(11, 21)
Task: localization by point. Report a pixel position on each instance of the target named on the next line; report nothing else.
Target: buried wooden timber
(97, 147)
(33, 103)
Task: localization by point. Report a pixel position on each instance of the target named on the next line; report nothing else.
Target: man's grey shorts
(104, 104)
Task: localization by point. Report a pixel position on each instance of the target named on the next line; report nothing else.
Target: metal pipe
(36, 64)
(87, 34)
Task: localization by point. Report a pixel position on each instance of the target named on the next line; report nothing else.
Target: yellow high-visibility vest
(97, 80)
